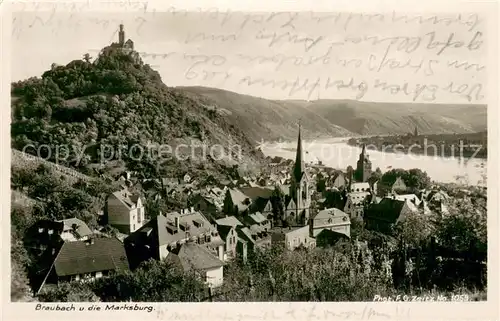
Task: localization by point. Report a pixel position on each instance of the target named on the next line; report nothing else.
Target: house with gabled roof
(45, 234)
(293, 237)
(255, 236)
(228, 230)
(197, 258)
(410, 197)
(125, 211)
(261, 199)
(337, 180)
(331, 219)
(235, 202)
(387, 213)
(86, 260)
(74, 229)
(203, 204)
(164, 234)
(258, 219)
(228, 221)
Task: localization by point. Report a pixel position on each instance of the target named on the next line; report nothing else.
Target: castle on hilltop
(121, 45)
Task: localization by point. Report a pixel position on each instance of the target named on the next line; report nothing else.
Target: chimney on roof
(176, 220)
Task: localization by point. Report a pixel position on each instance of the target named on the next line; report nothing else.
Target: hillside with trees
(325, 118)
(115, 107)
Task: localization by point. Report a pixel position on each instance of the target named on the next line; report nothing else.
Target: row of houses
(70, 251)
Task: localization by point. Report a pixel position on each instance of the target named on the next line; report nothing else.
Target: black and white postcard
(296, 161)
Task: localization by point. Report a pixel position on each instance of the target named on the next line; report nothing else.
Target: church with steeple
(364, 166)
(299, 187)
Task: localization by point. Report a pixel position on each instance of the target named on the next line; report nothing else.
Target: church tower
(299, 187)
(364, 166)
(121, 36)
(415, 133)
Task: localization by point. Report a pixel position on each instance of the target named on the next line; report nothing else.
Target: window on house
(51, 232)
(40, 230)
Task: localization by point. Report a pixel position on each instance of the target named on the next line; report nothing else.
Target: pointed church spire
(362, 156)
(415, 133)
(299, 166)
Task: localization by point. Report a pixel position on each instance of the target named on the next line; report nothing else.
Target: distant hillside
(272, 119)
(369, 118)
(266, 119)
(117, 103)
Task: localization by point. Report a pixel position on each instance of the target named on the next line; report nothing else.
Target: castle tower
(299, 187)
(121, 36)
(364, 166)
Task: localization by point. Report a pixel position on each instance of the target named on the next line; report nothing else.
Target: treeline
(56, 198)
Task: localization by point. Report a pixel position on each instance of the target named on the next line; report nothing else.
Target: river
(336, 153)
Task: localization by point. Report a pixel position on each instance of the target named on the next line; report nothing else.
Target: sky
(277, 56)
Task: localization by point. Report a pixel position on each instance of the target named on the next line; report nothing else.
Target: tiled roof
(189, 219)
(127, 198)
(194, 256)
(387, 209)
(167, 232)
(285, 189)
(82, 229)
(237, 195)
(257, 217)
(359, 187)
(246, 234)
(238, 198)
(409, 197)
(257, 192)
(294, 229)
(228, 221)
(329, 213)
(255, 228)
(82, 257)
